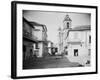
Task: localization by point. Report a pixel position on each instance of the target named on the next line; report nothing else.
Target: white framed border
(41, 72)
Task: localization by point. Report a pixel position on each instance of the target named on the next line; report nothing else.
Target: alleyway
(49, 62)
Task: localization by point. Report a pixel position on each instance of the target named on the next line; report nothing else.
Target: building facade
(34, 40)
(76, 42)
(28, 40)
(79, 44)
(41, 33)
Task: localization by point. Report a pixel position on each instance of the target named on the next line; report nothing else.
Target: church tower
(67, 22)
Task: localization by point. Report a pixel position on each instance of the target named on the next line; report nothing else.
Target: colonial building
(34, 40)
(28, 40)
(76, 42)
(41, 33)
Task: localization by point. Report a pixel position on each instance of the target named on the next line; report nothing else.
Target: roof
(24, 19)
(81, 28)
(50, 41)
(74, 43)
(67, 18)
(38, 25)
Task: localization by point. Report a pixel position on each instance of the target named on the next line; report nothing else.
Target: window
(89, 52)
(24, 48)
(89, 39)
(75, 52)
(37, 47)
(67, 24)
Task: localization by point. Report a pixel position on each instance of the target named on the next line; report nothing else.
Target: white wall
(5, 40)
(82, 54)
(76, 36)
(81, 36)
(38, 34)
(40, 49)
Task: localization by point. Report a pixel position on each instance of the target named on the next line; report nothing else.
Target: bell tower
(66, 27)
(67, 22)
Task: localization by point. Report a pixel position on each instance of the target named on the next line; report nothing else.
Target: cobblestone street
(49, 62)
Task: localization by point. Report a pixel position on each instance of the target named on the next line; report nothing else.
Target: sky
(54, 20)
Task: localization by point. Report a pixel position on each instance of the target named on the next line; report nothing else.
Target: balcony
(29, 35)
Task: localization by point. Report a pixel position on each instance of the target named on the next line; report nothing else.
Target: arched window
(67, 24)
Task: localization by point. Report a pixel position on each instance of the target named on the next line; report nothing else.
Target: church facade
(76, 42)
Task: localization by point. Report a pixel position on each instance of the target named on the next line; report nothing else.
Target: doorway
(75, 52)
